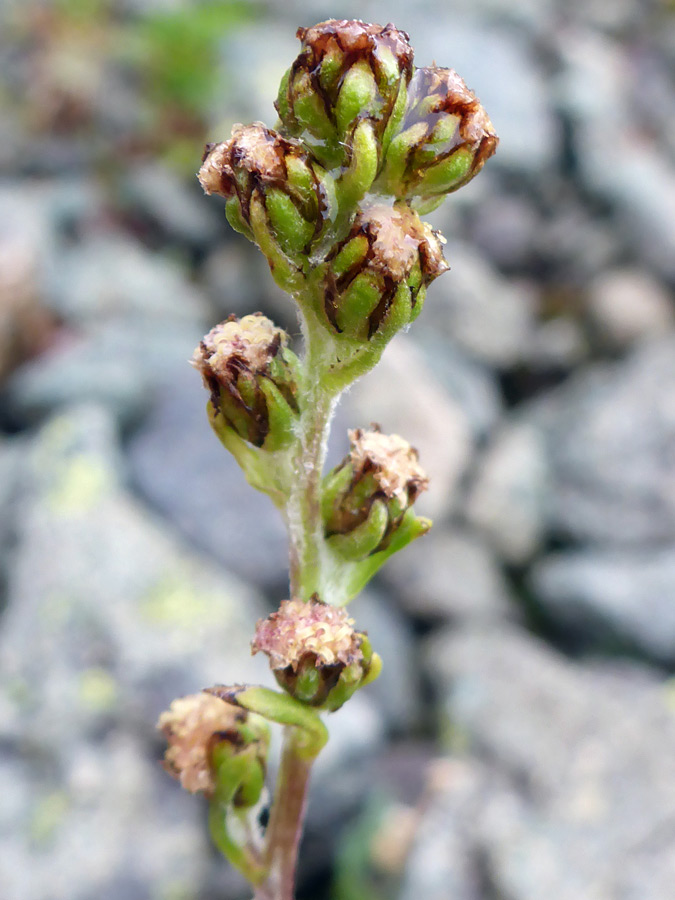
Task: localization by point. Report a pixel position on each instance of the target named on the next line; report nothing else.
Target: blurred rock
(469, 383)
(418, 410)
(253, 59)
(11, 471)
(396, 691)
(606, 597)
(232, 274)
(576, 796)
(80, 825)
(178, 207)
(108, 619)
(342, 778)
(25, 326)
(557, 344)
(617, 158)
(121, 607)
(178, 465)
(507, 228)
(610, 433)
(120, 367)
(629, 305)
(479, 310)
(109, 275)
(507, 499)
(449, 575)
(443, 861)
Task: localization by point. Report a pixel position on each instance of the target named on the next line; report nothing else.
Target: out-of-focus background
(520, 744)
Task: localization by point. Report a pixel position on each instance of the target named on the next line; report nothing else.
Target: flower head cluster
(356, 120)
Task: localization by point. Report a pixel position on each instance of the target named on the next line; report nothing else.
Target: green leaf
(362, 540)
(283, 709)
(359, 574)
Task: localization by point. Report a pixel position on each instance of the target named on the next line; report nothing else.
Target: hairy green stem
(305, 525)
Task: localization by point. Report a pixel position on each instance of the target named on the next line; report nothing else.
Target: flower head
(444, 141)
(251, 375)
(192, 727)
(315, 652)
(347, 73)
(377, 276)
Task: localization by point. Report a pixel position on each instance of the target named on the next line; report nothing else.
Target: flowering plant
(365, 144)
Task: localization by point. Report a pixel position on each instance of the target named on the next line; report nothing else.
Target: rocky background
(520, 744)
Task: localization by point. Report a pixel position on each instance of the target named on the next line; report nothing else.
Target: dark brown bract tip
(355, 38)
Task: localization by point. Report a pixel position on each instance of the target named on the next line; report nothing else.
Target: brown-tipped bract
(349, 75)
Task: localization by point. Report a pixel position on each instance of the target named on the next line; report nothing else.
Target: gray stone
(232, 275)
(101, 820)
(180, 467)
(238, 281)
(475, 307)
(119, 365)
(611, 596)
(470, 384)
(629, 305)
(508, 229)
(609, 434)
(508, 496)
(122, 616)
(11, 472)
(418, 409)
(449, 575)
(108, 619)
(442, 861)
(396, 691)
(558, 344)
(181, 209)
(253, 60)
(573, 789)
(617, 159)
(109, 275)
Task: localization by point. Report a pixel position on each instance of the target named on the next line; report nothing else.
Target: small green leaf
(364, 539)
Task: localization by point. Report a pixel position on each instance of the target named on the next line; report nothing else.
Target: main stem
(305, 528)
(287, 818)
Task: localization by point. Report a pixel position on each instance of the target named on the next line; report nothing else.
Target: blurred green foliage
(75, 59)
(355, 877)
(176, 51)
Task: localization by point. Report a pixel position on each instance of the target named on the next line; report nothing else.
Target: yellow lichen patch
(48, 815)
(81, 484)
(175, 601)
(98, 690)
